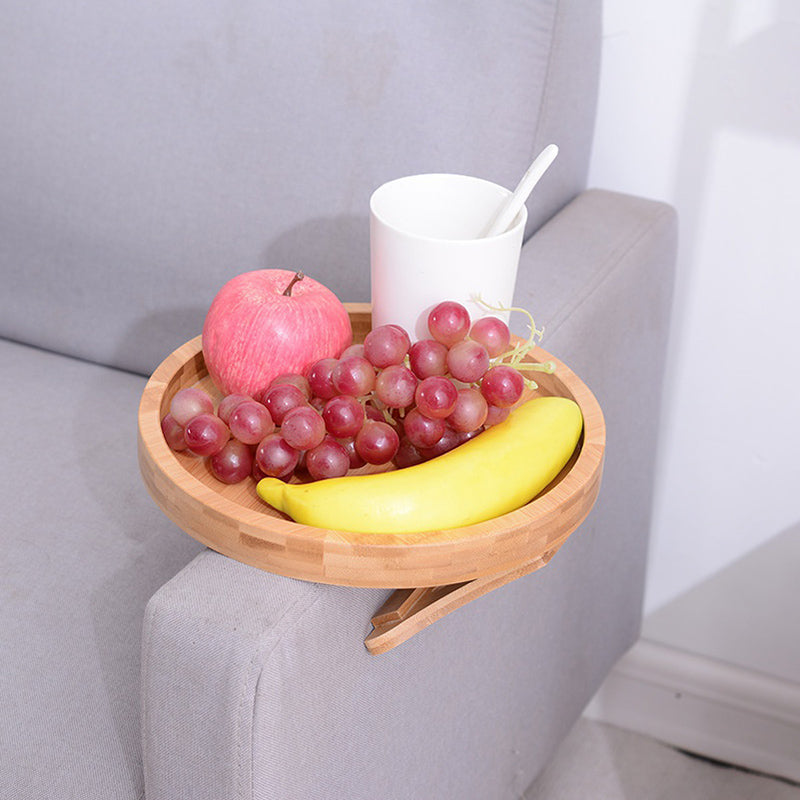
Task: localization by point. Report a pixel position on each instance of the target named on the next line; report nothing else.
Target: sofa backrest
(149, 152)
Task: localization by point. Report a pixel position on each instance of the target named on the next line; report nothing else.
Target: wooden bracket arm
(408, 611)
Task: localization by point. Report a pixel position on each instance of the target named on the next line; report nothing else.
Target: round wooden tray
(234, 521)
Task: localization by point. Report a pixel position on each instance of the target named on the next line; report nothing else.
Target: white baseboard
(705, 706)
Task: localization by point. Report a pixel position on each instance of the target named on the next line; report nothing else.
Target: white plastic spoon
(509, 210)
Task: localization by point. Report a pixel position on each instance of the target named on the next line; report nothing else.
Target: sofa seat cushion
(84, 548)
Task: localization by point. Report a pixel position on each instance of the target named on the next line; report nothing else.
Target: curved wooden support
(408, 611)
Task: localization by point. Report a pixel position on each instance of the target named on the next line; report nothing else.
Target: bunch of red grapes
(384, 401)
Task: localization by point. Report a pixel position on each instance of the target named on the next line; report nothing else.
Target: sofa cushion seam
(544, 101)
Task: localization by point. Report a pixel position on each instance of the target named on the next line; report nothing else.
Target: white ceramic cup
(427, 245)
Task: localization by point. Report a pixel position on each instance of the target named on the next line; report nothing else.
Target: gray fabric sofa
(148, 154)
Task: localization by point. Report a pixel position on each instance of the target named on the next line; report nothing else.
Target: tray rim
(411, 560)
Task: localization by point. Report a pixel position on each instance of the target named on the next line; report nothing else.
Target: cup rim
(519, 221)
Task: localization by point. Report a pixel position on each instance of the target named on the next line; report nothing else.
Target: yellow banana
(492, 474)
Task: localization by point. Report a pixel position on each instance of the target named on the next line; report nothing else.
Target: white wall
(700, 106)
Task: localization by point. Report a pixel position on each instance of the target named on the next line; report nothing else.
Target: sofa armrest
(599, 279)
(569, 269)
(259, 686)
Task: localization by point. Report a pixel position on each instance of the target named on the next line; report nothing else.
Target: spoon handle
(509, 210)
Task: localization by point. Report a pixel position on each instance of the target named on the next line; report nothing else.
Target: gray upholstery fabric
(472, 706)
(152, 151)
(83, 549)
(149, 152)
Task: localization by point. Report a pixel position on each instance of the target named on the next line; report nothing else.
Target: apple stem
(298, 276)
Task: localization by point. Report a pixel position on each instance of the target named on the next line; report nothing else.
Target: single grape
(449, 441)
(395, 386)
(377, 442)
(349, 446)
(228, 404)
(495, 415)
(173, 433)
(502, 386)
(303, 428)
(206, 434)
(320, 378)
(407, 455)
(189, 403)
(372, 412)
(492, 333)
(275, 457)
(300, 381)
(470, 411)
(436, 397)
(327, 460)
(281, 399)
(250, 422)
(427, 357)
(257, 472)
(466, 436)
(353, 350)
(448, 322)
(343, 416)
(354, 375)
(233, 463)
(398, 416)
(467, 361)
(386, 345)
(422, 431)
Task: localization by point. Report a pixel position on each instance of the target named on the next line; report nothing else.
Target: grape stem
(514, 357)
(372, 397)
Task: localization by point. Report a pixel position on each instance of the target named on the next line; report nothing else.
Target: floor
(600, 762)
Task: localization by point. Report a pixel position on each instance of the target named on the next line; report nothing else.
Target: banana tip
(271, 490)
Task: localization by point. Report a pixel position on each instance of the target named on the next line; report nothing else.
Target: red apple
(269, 322)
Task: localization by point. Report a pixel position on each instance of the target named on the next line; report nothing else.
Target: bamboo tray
(434, 572)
